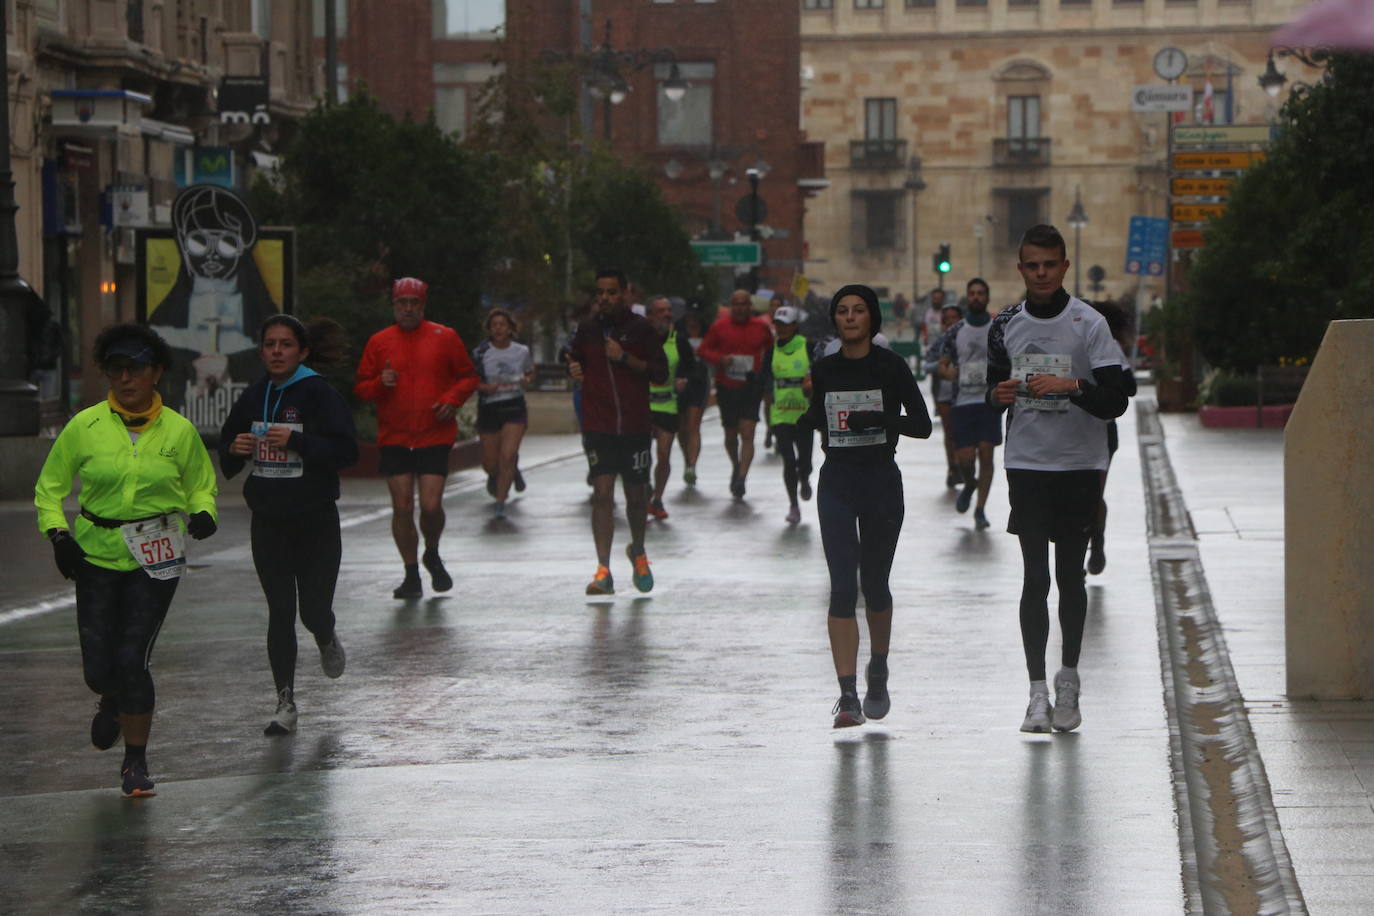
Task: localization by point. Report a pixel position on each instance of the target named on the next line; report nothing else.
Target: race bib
(270, 461)
(839, 405)
(738, 366)
(973, 376)
(1024, 365)
(158, 544)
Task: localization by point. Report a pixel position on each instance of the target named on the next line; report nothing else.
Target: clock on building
(1170, 63)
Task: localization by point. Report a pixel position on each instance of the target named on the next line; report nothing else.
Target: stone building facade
(965, 121)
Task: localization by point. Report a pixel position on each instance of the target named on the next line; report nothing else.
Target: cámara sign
(1163, 97)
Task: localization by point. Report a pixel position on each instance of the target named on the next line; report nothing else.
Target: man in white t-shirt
(1052, 360)
(974, 424)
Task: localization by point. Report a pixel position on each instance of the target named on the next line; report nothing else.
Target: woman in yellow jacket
(140, 465)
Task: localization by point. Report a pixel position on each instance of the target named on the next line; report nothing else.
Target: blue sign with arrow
(1147, 246)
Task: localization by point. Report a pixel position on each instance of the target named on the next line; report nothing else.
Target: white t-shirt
(967, 347)
(505, 366)
(1050, 433)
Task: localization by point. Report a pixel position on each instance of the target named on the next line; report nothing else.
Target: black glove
(861, 420)
(66, 552)
(200, 526)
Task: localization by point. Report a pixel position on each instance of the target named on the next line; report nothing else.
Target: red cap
(409, 287)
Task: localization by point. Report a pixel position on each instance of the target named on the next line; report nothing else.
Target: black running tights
(794, 445)
(1035, 592)
(860, 509)
(296, 557)
(118, 615)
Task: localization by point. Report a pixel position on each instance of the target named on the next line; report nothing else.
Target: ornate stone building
(966, 121)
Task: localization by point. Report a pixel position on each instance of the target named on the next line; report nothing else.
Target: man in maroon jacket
(616, 354)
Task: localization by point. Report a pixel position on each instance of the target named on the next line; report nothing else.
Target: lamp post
(605, 80)
(1078, 220)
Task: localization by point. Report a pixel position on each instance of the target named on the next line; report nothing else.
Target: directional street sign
(1201, 187)
(1221, 134)
(1183, 161)
(732, 254)
(1147, 245)
(1197, 213)
(1186, 238)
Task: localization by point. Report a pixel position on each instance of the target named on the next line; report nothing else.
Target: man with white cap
(786, 389)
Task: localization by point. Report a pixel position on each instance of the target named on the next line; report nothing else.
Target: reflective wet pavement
(513, 747)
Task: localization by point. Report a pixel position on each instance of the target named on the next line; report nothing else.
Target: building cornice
(987, 36)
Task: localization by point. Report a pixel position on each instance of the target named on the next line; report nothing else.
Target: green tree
(1295, 247)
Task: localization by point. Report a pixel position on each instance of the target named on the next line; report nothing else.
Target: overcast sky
(474, 15)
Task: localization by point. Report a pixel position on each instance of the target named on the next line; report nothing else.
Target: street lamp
(1078, 220)
(1271, 80)
(603, 68)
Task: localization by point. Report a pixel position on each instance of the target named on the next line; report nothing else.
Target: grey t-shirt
(505, 366)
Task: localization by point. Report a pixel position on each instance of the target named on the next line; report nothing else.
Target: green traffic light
(944, 267)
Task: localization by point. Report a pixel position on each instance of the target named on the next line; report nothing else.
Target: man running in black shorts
(617, 354)
(975, 424)
(735, 345)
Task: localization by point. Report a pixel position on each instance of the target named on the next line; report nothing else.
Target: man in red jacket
(418, 372)
(616, 354)
(735, 345)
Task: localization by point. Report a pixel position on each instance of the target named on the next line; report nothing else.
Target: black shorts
(738, 404)
(491, 417)
(972, 424)
(1113, 439)
(429, 459)
(608, 453)
(668, 422)
(1058, 505)
(695, 393)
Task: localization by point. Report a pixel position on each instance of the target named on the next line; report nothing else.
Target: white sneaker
(332, 657)
(1066, 714)
(1037, 714)
(793, 515)
(284, 720)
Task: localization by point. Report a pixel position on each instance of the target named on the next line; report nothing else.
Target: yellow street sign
(1201, 187)
(1216, 160)
(800, 285)
(1197, 213)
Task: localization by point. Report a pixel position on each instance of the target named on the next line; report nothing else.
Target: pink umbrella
(1344, 25)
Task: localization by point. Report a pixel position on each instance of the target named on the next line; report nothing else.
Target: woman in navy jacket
(296, 431)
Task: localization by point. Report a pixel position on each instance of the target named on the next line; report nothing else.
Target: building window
(880, 119)
(48, 11)
(451, 109)
(687, 122)
(340, 18)
(869, 4)
(877, 220)
(817, 4)
(262, 19)
(920, 4)
(1218, 111)
(970, 2)
(467, 18)
(1075, 2)
(1023, 117)
(1023, 2)
(1023, 208)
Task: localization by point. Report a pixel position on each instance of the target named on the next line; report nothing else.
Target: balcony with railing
(877, 154)
(1021, 152)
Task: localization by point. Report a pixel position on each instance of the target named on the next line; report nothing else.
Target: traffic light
(940, 260)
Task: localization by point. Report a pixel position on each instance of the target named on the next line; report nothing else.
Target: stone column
(1329, 521)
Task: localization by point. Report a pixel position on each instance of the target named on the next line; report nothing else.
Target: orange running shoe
(644, 580)
(602, 583)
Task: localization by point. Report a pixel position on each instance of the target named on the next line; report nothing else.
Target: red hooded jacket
(432, 367)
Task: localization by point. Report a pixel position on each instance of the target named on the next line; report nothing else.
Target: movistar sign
(1165, 97)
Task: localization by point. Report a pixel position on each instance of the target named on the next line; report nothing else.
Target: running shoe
(519, 481)
(499, 510)
(438, 576)
(768, 439)
(965, 498)
(806, 488)
(689, 476)
(737, 486)
(643, 579)
(793, 515)
(491, 484)
(952, 479)
(876, 700)
(1097, 557)
(657, 511)
(1037, 714)
(1066, 714)
(847, 712)
(136, 781)
(409, 588)
(980, 519)
(284, 719)
(332, 657)
(105, 724)
(602, 583)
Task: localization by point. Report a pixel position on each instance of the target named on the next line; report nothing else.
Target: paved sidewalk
(1318, 756)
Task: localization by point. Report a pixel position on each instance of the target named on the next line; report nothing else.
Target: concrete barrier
(1329, 521)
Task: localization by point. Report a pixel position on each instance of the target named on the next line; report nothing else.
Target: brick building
(741, 108)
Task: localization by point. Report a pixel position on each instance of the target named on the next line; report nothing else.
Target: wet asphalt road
(513, 747)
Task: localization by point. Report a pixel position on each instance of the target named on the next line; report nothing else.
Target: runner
(786, 387)
(1119, 323)
(975, 425)
(857, 399)
(778, 301)
(1051, 359)
(663, 399)
(140, 465)
(504, 367)
(943, 391)
(419, 374)
(691, 403)
(617, 355)
(298, 433)
(735, 345)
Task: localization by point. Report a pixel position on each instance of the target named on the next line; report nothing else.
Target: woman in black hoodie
(297, 432)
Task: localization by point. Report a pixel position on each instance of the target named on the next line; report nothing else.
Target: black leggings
(794, 444)
(861, 509)
(119, 614)
(1035, 591)
(297, 555)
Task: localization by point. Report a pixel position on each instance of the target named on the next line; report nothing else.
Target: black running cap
(132, 349)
